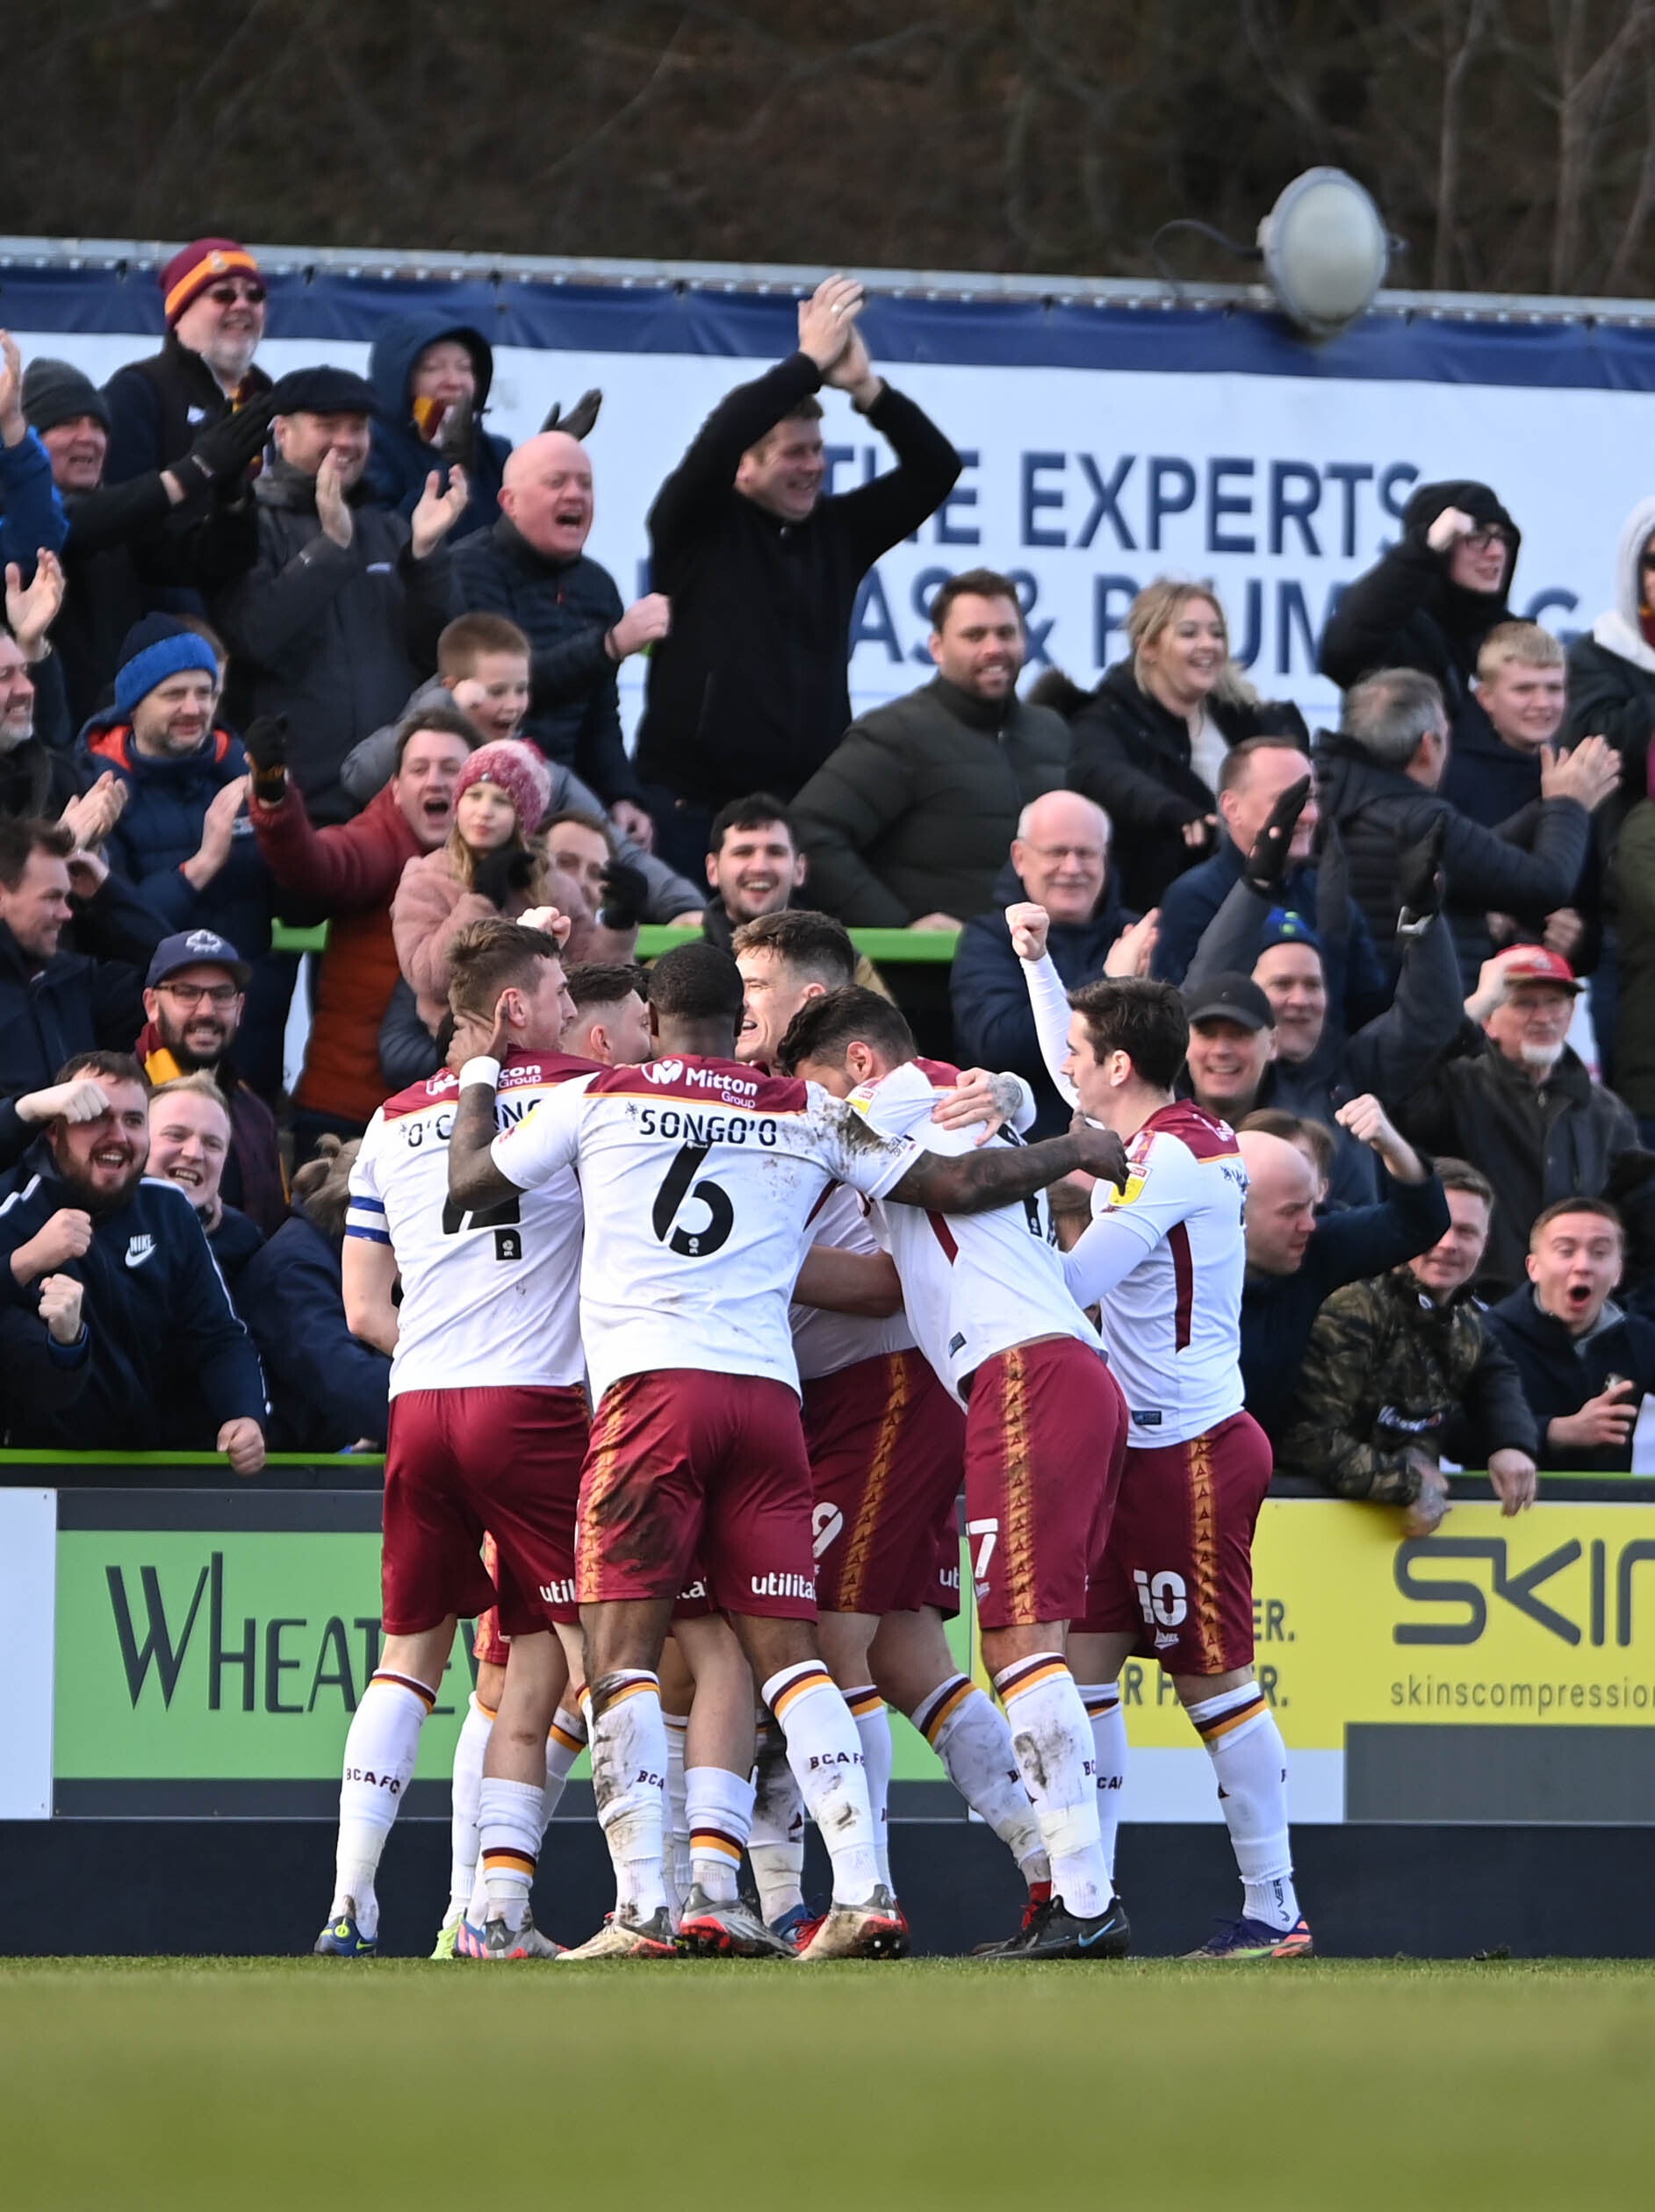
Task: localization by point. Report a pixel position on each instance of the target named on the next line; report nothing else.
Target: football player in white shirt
(1044, 1437)
(488, 1419)
(1164, 1261)
(887, 1449)
(699, 1177)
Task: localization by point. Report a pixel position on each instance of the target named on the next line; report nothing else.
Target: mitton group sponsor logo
(734, 1090)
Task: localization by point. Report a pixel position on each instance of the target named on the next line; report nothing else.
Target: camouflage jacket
(1388, 1373)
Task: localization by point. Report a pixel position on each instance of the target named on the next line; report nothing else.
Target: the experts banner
(1103, 445)
(211, 1647)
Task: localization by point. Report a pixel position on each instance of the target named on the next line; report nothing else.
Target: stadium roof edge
(765, 276)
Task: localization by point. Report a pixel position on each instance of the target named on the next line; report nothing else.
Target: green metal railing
(882, 946)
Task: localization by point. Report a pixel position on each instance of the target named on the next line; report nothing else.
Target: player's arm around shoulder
(1001, 1175)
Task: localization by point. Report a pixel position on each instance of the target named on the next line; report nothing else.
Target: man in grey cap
(339, 617)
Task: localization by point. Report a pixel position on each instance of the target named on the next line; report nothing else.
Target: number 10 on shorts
(984, 1535)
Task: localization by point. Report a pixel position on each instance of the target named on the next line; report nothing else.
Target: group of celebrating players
(713, 1297)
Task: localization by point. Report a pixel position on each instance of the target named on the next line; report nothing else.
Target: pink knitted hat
(520, 770)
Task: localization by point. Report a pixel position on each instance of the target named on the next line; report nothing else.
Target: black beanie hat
(57, 392)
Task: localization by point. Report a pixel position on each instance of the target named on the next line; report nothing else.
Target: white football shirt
(489, 1299)
(974, 1284)
(1164, 1260)
(699, 1178)
(826, 1343)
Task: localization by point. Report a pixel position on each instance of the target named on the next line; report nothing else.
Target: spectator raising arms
(349, 873)
(739, 701)
(1431, 601)
(154, 1306)
(1150, 741)
(30, 512)
(338, 618)
(492, 863)
(431, 377)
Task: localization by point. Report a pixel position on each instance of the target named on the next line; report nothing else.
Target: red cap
(1534, 963)
(188, 274)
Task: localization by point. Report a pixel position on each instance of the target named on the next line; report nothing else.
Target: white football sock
(873, 1729)
(826, 1755)
(509, 1818)
(967, 1732)
(1051, 1739)
(464, 1845)
(565, 1740)
(1250, 1761)
(675, 1853)
(775, 1845)
(1102, 1701)
(629, 1779)
(380, 1751)
(719, 1812)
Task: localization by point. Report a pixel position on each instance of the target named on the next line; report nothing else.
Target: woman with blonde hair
(493, 863)
(1149, 742)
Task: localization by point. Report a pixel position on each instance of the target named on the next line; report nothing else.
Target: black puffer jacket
(1379, 811)
(913, 813)
(333, 637)
(1405, 613)
(1131, 755)
(565, 609)
(159, 407)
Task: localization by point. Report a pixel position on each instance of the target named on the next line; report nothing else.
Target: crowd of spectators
(328, 650)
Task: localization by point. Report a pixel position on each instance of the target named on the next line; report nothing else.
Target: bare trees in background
(1511, 143)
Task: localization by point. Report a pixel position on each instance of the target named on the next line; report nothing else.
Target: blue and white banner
(1104, 445)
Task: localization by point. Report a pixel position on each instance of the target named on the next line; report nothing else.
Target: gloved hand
(578, 420)
(1266, 865)
(498, 875)
(226, 450)
(1419, 873)
(626, 893)
(265, 744)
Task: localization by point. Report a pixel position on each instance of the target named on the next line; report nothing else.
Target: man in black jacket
(212, 294)
(54, 1002)
(339, 618)
(165, 1363)
(532, 569)
(1381, 781)
(1587, 1366)
(750, 690)
(907, 821)
(1296, 1259)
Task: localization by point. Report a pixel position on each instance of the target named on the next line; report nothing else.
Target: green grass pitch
(305, 2085)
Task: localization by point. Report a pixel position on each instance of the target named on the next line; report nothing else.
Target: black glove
(454, 439)
(626, 893)
(580, 417)
(1266, 865)
(1419, 873)
(265, 745)
(225, 452)
(497, 875)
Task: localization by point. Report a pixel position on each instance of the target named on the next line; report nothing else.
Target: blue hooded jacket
(400, 460)
(167, 801)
